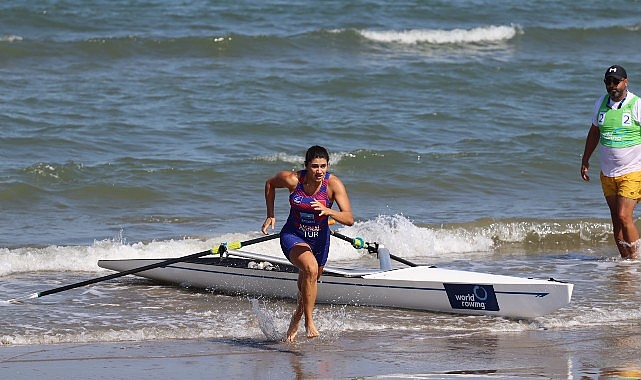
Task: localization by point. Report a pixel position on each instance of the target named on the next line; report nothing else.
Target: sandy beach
(533, 355)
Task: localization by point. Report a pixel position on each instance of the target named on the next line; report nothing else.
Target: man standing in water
(304, 238)
(616, 128)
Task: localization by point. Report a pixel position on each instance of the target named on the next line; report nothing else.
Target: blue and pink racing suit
(304, 224)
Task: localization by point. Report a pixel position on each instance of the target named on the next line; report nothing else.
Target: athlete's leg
(308, 272)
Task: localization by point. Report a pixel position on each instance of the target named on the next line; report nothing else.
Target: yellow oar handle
(239, 244)
(234, 245)
(225, 246)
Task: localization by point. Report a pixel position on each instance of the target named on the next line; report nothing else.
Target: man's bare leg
(625, 231)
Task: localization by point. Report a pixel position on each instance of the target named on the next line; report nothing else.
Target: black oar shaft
(163, 263)
(403, 261)
(342, 237)
(123, 273)
(394, 257)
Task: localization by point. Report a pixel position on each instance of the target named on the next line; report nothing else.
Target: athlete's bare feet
(291, 332)
(293, 325)
(311, 330)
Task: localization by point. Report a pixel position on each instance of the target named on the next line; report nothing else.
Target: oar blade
(20, 301)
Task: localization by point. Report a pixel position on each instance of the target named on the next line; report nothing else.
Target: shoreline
(385, 354)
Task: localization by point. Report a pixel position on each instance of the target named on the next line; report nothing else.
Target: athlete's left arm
(337, 191)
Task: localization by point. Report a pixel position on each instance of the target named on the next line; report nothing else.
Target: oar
(216, 250)
(360, 243)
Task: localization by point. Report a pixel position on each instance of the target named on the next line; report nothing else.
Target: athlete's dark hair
(316, 151)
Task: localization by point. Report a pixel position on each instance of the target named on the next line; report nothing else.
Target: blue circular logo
(483, 293)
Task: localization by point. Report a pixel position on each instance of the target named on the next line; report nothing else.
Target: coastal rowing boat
(419, 287)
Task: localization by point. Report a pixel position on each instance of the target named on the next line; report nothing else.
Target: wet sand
(383, 355)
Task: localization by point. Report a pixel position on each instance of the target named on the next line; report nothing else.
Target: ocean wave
(55, 172)
(633, 28)
(232, 44)
(334, 158)
(10, 38)
(488, 236)
(487, 34)
(400, 235)
(316, 42)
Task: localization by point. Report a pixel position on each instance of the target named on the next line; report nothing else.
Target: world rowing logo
(480, 293)
(471, 297)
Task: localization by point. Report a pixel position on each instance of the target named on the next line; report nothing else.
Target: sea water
(148, 129)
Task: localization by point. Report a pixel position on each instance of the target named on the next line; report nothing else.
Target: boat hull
(419, 288)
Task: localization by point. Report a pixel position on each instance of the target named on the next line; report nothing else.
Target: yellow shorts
(627, 185)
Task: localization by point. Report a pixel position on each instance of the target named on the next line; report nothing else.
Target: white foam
(10, 38)
(85, 258)
(396, 232)
(405, 239)
(334, 158)
(440, 36)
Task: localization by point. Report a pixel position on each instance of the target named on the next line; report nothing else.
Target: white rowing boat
(419, 287)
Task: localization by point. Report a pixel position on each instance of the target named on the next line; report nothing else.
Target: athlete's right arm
(286, 179)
